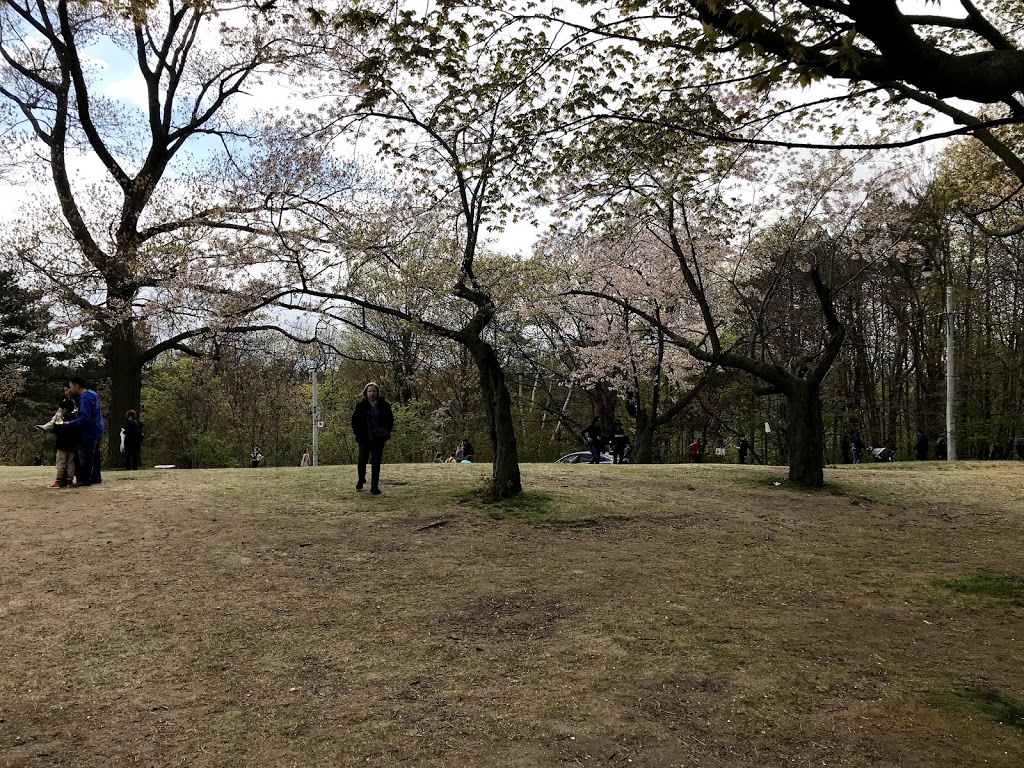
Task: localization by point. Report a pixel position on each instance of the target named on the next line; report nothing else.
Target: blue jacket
(89, 417)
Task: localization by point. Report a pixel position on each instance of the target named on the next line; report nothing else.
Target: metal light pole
(926, 272)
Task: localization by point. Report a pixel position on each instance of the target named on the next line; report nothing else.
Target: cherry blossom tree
(616, 347)
(746, 286)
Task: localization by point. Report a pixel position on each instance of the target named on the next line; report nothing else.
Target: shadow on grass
(993, 704)
(528, 505)
(537, 507)
(782, 482)
(1005, 588)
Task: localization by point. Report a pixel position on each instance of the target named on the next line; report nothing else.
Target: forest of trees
(736, 212)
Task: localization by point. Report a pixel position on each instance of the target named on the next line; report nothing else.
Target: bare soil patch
(656, 616)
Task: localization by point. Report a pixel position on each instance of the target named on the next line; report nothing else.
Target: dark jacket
(67, 436)
(361, 419)
(922, 447)
(133, 432)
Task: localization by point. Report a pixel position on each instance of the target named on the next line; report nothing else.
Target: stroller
(882, 454)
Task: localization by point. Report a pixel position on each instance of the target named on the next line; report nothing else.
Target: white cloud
(131, 90)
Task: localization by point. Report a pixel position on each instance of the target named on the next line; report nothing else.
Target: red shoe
(55, 484)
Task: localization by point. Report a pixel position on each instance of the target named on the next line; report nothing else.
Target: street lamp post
(926, 272)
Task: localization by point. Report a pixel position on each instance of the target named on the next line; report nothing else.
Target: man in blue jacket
(90, 421)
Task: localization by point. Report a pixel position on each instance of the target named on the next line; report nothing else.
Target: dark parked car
(582, 457)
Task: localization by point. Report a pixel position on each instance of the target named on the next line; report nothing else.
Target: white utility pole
(950, 428)
(926, 272)
(316, 423)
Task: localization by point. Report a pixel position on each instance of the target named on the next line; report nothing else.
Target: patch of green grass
(993, 704)
(997, 587)
(528, 505)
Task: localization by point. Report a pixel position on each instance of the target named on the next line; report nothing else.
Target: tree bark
(125, 374)
(806, 436)
(642, 448)
(506, 481)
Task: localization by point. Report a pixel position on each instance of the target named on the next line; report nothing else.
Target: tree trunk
(125, 375)
(641, 450)
(505, 479)
(806, 438)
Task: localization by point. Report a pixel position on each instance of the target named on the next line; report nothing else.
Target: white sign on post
(766, 427)
(720, 451)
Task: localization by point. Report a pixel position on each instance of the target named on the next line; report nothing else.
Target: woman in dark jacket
(372, 422)
(132, 440)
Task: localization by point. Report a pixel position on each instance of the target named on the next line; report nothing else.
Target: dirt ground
(619, 616)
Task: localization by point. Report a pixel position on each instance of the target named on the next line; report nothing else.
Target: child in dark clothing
(67, 438)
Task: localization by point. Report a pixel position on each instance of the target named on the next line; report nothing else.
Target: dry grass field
(614, 616)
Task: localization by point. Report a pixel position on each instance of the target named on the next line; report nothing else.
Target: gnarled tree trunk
(505, 478)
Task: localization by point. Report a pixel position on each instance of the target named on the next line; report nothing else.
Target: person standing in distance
(744, 449)
(133, 434)
(921, 446)
(90, 421)
(372, 422)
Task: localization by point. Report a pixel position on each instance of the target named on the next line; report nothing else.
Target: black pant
(372, 451)
(87, 470)
(132, 455)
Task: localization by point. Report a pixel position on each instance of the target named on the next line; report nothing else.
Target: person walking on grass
(619, 442)
(372, 423)
(857, 446)
(90, 421)
(592, 434)
(696, 450)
